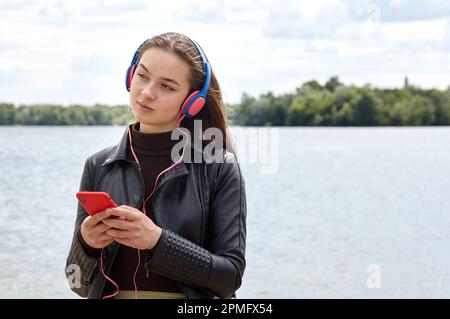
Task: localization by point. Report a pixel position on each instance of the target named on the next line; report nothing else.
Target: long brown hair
(213, 113)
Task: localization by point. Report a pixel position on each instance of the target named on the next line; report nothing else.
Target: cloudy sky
(68, 52)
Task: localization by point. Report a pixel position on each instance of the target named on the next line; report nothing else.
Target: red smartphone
(95, 202)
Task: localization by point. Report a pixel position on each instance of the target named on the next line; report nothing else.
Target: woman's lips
(144, 107)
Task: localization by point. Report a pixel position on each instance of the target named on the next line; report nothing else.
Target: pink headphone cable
(154, 188)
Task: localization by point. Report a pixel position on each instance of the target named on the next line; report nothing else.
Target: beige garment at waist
(129, 294)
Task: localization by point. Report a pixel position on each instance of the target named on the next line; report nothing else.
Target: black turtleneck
(153, 152)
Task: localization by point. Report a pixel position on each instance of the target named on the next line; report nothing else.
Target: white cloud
(305, 19)
(398, 10)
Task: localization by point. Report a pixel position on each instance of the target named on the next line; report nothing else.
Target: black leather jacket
(201, 208)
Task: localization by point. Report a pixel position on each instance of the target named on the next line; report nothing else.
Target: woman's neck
(151, 129)
(151, 143)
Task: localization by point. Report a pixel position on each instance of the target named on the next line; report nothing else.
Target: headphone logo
(195, 102)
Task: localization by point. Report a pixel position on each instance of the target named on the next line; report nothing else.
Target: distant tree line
(43, 114)
(313, 104)
(334, 104)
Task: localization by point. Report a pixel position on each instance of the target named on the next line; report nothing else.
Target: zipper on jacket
(143, 185)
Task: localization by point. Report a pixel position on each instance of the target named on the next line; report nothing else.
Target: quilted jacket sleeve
(219, 266)
(80, 259)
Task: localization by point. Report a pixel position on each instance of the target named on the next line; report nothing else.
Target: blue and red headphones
(194, 103)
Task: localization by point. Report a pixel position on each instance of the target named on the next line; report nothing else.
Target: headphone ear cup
(129, 76)
(193, 104)
(187, 102)
(196, 105)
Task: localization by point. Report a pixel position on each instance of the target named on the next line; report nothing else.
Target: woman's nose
(148, 92)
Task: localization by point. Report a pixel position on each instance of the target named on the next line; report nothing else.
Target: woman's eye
(163, 85)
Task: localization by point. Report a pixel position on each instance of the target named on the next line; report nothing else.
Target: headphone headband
(206, 70)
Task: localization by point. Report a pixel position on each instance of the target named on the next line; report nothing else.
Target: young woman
(179, 230)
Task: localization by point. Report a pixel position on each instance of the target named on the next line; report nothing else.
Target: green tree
(342, 106)
(420, 111)
(259, 114)
(295, 113)
(7, 114)
(243, 117)
(365, 108)
(332, 84)
(441, 104)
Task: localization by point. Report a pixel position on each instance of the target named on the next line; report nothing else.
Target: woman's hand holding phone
(94, 230)
(133, 228)
(107, 223)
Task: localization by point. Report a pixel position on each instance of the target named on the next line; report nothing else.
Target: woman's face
(159, 86)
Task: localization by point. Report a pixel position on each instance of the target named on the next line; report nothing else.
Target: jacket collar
(120, 152)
